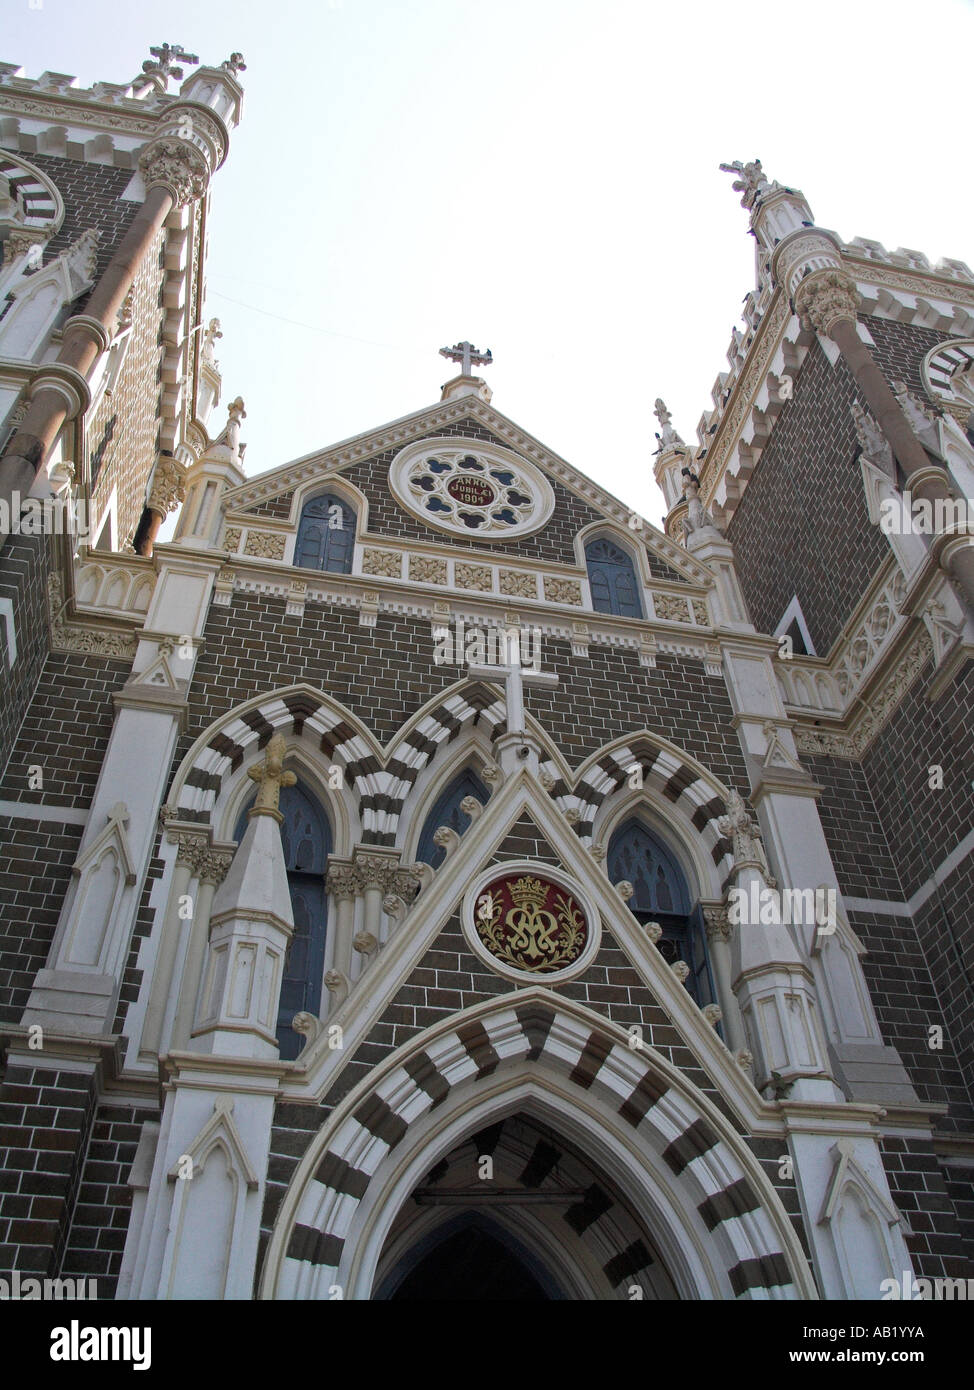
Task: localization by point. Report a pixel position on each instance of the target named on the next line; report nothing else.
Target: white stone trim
(793, 613)
(39, 810)
(10, 630)
(527, 477)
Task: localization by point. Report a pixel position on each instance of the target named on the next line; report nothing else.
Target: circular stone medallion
(530, 923)
(473, 492)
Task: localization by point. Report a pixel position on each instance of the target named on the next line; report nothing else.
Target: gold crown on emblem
(529, 892)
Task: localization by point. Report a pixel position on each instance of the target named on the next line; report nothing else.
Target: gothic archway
(684, 1172)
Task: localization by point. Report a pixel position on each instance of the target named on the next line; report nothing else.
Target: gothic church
(421, 877)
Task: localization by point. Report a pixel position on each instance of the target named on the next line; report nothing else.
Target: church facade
(424, 878)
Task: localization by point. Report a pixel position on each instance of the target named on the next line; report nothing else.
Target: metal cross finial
(467, 354)
(168, 54)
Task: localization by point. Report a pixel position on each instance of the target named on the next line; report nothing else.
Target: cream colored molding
(84, 637)
(113, 585)
(387, 563)
(479, 577)
(477, 464)
(853, 739)
(566, 591)
(265, 545)
(427, 569)
(648, 637)
(816, 685)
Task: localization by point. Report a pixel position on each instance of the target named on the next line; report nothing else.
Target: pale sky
(539, 176)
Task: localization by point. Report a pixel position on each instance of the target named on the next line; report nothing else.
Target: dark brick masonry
(45, 1119)
(101, 1215)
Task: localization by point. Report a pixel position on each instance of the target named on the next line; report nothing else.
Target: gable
(576, 502)
(449, 979)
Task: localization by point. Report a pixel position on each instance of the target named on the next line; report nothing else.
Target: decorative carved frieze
(382, 562)
(853, 742)
(231, 538)
(563, 591)
(670, 608)
(518, 584)
(426, 569)
(473, 577)
(265, 545)
(78, 637)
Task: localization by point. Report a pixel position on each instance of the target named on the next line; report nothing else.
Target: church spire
(776, 211)
(672, 455)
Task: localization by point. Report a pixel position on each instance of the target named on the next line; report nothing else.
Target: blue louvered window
(306, 839)
(447, 811)
(612, 579)
(662, 895)
(326, 535)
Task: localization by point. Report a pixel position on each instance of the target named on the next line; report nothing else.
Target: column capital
(716, 924)
(177, 167)
(825, 298)
(168, 486)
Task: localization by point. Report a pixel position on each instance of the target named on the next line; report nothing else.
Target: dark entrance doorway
(470, 1265)
(514, 1212)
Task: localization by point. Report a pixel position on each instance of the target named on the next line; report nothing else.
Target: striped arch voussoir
(721, 1199)
(380, 787)
(664, 771)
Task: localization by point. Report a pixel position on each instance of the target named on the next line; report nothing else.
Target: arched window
(326, 535)
(612, 579)
(662, 895)
(447, 811)
(306, 839)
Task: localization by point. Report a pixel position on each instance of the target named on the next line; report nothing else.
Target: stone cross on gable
(169, 54)
(468, 355)
(515, 678)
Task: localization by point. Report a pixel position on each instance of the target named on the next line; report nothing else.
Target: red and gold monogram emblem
(531, 923)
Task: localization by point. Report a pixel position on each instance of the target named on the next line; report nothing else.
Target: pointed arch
(674, 786)
(447, 810)
(684, 1170)
(469, 703)
(320, 544)
(210, 781)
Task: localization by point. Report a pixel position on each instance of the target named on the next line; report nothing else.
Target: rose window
(471, 489)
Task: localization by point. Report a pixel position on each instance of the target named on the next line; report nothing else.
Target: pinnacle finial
(750, 181)
(669, 439)
(166, 56)
(270, 776)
